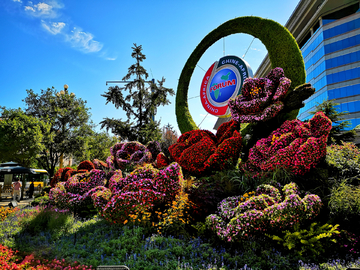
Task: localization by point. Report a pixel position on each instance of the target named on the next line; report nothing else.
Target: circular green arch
(281, 46)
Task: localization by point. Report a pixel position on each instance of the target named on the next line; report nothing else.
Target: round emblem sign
(223, 81)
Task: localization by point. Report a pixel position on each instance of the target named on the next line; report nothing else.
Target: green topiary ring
(282, 49)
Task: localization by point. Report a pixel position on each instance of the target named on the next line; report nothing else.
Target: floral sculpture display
(296, 146)
(261, 98)
(60, 176)
(244, 216)
(200, 151)
(132, 153)
(75, 191)
(138, 192)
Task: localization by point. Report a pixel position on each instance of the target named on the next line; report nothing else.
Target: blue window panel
(316, 57)
(316, 72)
(343, 60)
(346, 91)
(340, 29)
(312, 46)
(350, 91)
(352, 107)
(344, 107)
(342, 44)
(328, 21)
(343, 75)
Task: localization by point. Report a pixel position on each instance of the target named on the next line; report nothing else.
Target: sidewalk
(6, 201)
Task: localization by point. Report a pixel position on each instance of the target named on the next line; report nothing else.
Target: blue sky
(86, 43)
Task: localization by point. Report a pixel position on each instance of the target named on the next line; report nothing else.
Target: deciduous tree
(21, 137)
(69, 119)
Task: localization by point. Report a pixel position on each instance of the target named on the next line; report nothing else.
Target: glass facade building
(331, 54)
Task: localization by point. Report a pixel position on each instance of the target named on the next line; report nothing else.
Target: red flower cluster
(162, 160)
(64, 174)
(296, 146)
(200, 151)
(86, 165)
(61, 175)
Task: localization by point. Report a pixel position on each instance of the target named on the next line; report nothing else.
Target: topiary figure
(100, 165)
(140, 191)
(60, 176)
(75, 194)
(261, 98)
(280, 44)
(154, 148)
(296, 146)
(132, 153)
(86, 165)
(200, 151)
(162, 160)
(264, 211)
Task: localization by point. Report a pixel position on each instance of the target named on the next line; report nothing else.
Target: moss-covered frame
(282, 49)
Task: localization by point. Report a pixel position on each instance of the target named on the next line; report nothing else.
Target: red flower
(200, 151)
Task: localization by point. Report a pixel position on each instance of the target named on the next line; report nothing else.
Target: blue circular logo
(223, 85)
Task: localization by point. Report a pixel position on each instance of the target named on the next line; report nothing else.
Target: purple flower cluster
(140, 190)
(76, 191)
(260, 99)
(132, 153)
(265, 211)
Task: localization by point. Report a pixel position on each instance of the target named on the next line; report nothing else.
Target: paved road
(6, 201)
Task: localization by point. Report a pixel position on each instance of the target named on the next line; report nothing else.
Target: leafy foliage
(96, 146)
(139, 104)
(310, 241)
(343, 160)
(21, 137)
(338, 132)
(68, 118)
(345, 201)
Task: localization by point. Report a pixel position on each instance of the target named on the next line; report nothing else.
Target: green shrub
(309, 241)
(47, 220)
(40, 200)
(345, 201)
(343, 160)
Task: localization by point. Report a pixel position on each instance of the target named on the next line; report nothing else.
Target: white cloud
(255, 49)
(46, 10)
(42, 9)
(84, 41)
(53, 28)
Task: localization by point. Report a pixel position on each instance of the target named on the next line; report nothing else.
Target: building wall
(332, 63)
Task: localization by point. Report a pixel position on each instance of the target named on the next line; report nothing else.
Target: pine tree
(140, 103)
(338, 132)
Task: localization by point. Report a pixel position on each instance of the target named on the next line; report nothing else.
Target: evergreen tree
(140, 103)
(338, 132)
